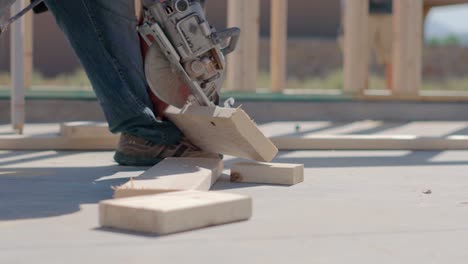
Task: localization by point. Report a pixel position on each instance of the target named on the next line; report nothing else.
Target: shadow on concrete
(28, 192)
(414, 158)
(304, 132)
(224, 183)
(463, 131)
(30, 159)
(381, 128)
(127, 233)
(8, 154)
(39, 192)
(156, 236)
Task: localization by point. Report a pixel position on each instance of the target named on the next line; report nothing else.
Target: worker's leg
(103, 35)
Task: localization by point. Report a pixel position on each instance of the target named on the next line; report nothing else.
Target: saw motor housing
(194, 48)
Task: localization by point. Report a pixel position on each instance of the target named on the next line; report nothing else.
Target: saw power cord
(4, 26)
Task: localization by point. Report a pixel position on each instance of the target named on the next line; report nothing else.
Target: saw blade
(163, 80)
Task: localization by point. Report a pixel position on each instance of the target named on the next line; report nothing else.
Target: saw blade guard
(162, 79)
(186, 60)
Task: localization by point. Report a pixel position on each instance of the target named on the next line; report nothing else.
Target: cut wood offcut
(227, 131)
(267, 173)
(174, 212)
(174, 174)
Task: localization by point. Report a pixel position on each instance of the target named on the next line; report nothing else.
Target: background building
(52, 54)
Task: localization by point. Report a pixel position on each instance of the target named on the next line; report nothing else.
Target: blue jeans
(103, 35)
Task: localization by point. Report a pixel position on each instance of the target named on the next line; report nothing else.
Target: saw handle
(233, 34)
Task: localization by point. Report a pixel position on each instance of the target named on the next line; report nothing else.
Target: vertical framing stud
(17, 62)
(242, 70)
(407, 47)
(279, 44)
(356, 51)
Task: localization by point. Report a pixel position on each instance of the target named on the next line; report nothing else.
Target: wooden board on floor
(56, 142)
(228, 131)
(85, 130)
(267, 173)
(174, 212)
(174, 174)
(371, 142)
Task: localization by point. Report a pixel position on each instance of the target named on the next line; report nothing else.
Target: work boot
(135, 151)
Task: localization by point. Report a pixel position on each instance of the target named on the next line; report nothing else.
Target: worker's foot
(135, 151)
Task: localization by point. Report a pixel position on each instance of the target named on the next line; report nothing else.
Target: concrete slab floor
(354, 207)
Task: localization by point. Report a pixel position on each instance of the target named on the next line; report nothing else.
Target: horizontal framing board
(282, 143)
(267, 173)
(57, 143)
(174, 174)
(227, 131)
(174, 212)
(368, 142)
(86, 130)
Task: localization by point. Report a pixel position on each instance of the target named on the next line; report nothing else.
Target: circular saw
(185, 63)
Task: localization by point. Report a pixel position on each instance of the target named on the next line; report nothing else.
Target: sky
(454, 17)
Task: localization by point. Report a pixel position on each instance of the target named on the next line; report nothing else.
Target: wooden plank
(227, 131)
(279, 44)
(407, 47)
(283, 143)
(28, 49)
(174, 174)
(370, 142)
(86, 130)
(17, 70)
(424, 96)
(267, 173)
(174, 212)
(242, 71)
(356, 46)
(56, 142)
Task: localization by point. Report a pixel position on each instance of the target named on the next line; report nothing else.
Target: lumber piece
(17, 70)
(174, 212)
(56, 142)
(85, 130)
(242, 72)
(423, 96)
(228, 131)
(28, 48)
(174, 174)
(267, 173)
(371, 142)
(356, 53)
(407, 47)
(279, 44)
